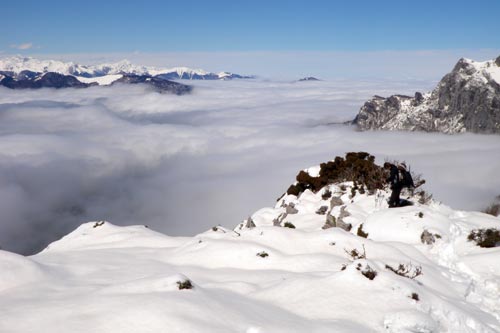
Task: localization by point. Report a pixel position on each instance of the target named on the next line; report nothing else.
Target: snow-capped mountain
(17, 64)
(335, 259)
(31, 80)
(466, 99)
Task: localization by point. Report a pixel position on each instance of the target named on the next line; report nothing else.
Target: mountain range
(465, 100)
(30, 73)
(17, 64)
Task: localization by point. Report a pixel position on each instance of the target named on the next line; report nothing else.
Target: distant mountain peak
(309, 78)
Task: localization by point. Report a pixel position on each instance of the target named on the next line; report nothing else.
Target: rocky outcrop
(158, 84)
(466, 100)
(340, 221)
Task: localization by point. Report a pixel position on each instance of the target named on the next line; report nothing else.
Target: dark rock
(309, 78)
(340, 221)
(342, 225)
(322, 210)
(26, 75)
(56, 80)
(48, 80)
(290, 208)
(159, 84)
(8, 73)
(330, 222)
(418, 99)
(277, 221)
(427, 238)
(250, 223)
(336, 201)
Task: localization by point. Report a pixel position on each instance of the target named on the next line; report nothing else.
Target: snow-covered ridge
(17, 64)
(465, 100)
(486, 69)
(409, 269)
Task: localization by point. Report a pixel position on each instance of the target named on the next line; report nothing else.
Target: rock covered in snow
(466, 99)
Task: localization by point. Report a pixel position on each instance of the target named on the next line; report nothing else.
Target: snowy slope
(486, 69)
(106, 278)
(17, 64)
(101, 80)
(466, 99)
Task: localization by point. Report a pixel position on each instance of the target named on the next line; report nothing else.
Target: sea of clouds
(182, 164)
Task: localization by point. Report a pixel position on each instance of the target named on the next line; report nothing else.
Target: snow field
(105, 278)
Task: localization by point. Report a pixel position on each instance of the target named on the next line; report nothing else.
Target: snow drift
(410, 269)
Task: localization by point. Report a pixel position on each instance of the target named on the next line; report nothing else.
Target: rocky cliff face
(466, 100)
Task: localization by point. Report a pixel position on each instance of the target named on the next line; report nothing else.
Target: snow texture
(106, 278)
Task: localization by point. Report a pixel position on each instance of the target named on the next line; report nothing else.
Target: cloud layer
(182, 164)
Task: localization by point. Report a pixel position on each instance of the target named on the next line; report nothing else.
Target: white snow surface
(486, 69)
(106, 278)
(107, 71)
(100, 80)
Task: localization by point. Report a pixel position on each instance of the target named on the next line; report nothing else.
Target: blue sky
(185, 26)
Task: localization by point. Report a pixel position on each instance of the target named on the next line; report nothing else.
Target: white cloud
(23, 46)
(182, 164)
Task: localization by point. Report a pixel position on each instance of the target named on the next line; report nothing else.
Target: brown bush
(358, 167)
(361, 233)
(186, 284)
(326, 195)
(485, 237)
(406, 270)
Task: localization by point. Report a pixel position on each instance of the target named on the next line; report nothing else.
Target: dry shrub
(406, 270)
(361, 233)
(358, 167)
(485, 237)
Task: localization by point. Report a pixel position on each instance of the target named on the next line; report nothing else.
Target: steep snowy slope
(466, 99)
(415, 272)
